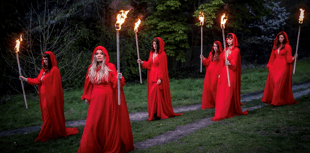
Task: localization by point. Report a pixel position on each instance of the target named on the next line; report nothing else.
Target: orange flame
(201, 18)
(301, 16)
(18, 41)
(223, 21)
(137, 25)
(121, 19)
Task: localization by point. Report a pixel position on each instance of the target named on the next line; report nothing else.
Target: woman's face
(215, 47)
(155, 46)
(45, 60)
(99, 55)
(281, 38)
(230, 41)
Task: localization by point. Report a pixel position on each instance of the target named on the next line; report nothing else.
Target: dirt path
(185, 130)
(139, 116)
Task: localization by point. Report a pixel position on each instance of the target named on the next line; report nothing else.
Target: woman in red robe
(228, 98)
(51, 100)
(214, 65)
(278, 89)
(103, 127)
(158, 88)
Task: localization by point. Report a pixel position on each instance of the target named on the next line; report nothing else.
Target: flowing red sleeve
(35, 81)
(206, 61)
(113, 72)
(233, 61)
(271, 59)
(55, 100)
(289, 57)
(88, 87)
(147, 64)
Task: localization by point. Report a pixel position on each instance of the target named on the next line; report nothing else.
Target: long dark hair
(157, 42)
(49, 67)
(278, 42)
(215, 55)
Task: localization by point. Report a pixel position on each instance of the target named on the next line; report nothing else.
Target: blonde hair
(103, 72)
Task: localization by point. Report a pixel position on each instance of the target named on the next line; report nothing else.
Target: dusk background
(72, 29)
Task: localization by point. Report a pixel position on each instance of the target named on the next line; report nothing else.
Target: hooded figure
(51, 101)
(107, 127)
(214, 65)
(228, 98)
(278, 89)
(158, 88)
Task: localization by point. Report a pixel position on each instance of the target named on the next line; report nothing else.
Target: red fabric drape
(158, 95)
(51, 103)
(278, 89)
(228, 98)
(213, 70)
(107, 127)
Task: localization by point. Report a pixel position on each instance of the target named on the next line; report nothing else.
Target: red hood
(219, 46)
(52, 57)
(107, 58)
(277, 37)
(235, 41)
(161, 45)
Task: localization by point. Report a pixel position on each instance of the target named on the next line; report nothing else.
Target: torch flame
(201, 18)
(121, 19)
(301, 16)
(223, 21)
(18, 41)
(137, 25)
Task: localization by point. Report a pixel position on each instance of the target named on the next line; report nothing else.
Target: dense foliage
(72, 29)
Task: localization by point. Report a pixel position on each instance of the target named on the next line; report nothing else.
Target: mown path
(299, 90)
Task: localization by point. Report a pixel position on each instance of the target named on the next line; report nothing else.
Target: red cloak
(228, 98)
(158, 95)
(278, 89)
(104, 130)
(51, 103)
(213, 70)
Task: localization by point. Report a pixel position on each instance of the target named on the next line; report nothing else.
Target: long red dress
(158, 95)
(51, 103)
(103, 127)
(213, 70)
(228, 98)
(278, 89)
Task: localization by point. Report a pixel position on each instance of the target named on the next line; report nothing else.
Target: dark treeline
(72, 29)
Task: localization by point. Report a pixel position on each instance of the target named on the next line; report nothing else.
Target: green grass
(183, 92)
(269, 129)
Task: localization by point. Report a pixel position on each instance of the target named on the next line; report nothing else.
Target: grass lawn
(183, 92)
(268, 129)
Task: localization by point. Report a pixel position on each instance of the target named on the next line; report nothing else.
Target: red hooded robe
(213, 70)
(228, 98)
(158, 95)
(278, 89)
(51, 103)
(107, 127)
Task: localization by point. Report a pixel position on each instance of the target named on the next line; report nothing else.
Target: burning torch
(118, 25)
(136, 31)
(301, 19)
(201, 19)
(223, 21)
(18, 41)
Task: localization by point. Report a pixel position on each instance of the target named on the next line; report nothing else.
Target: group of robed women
(225, 99)
(108, 128)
